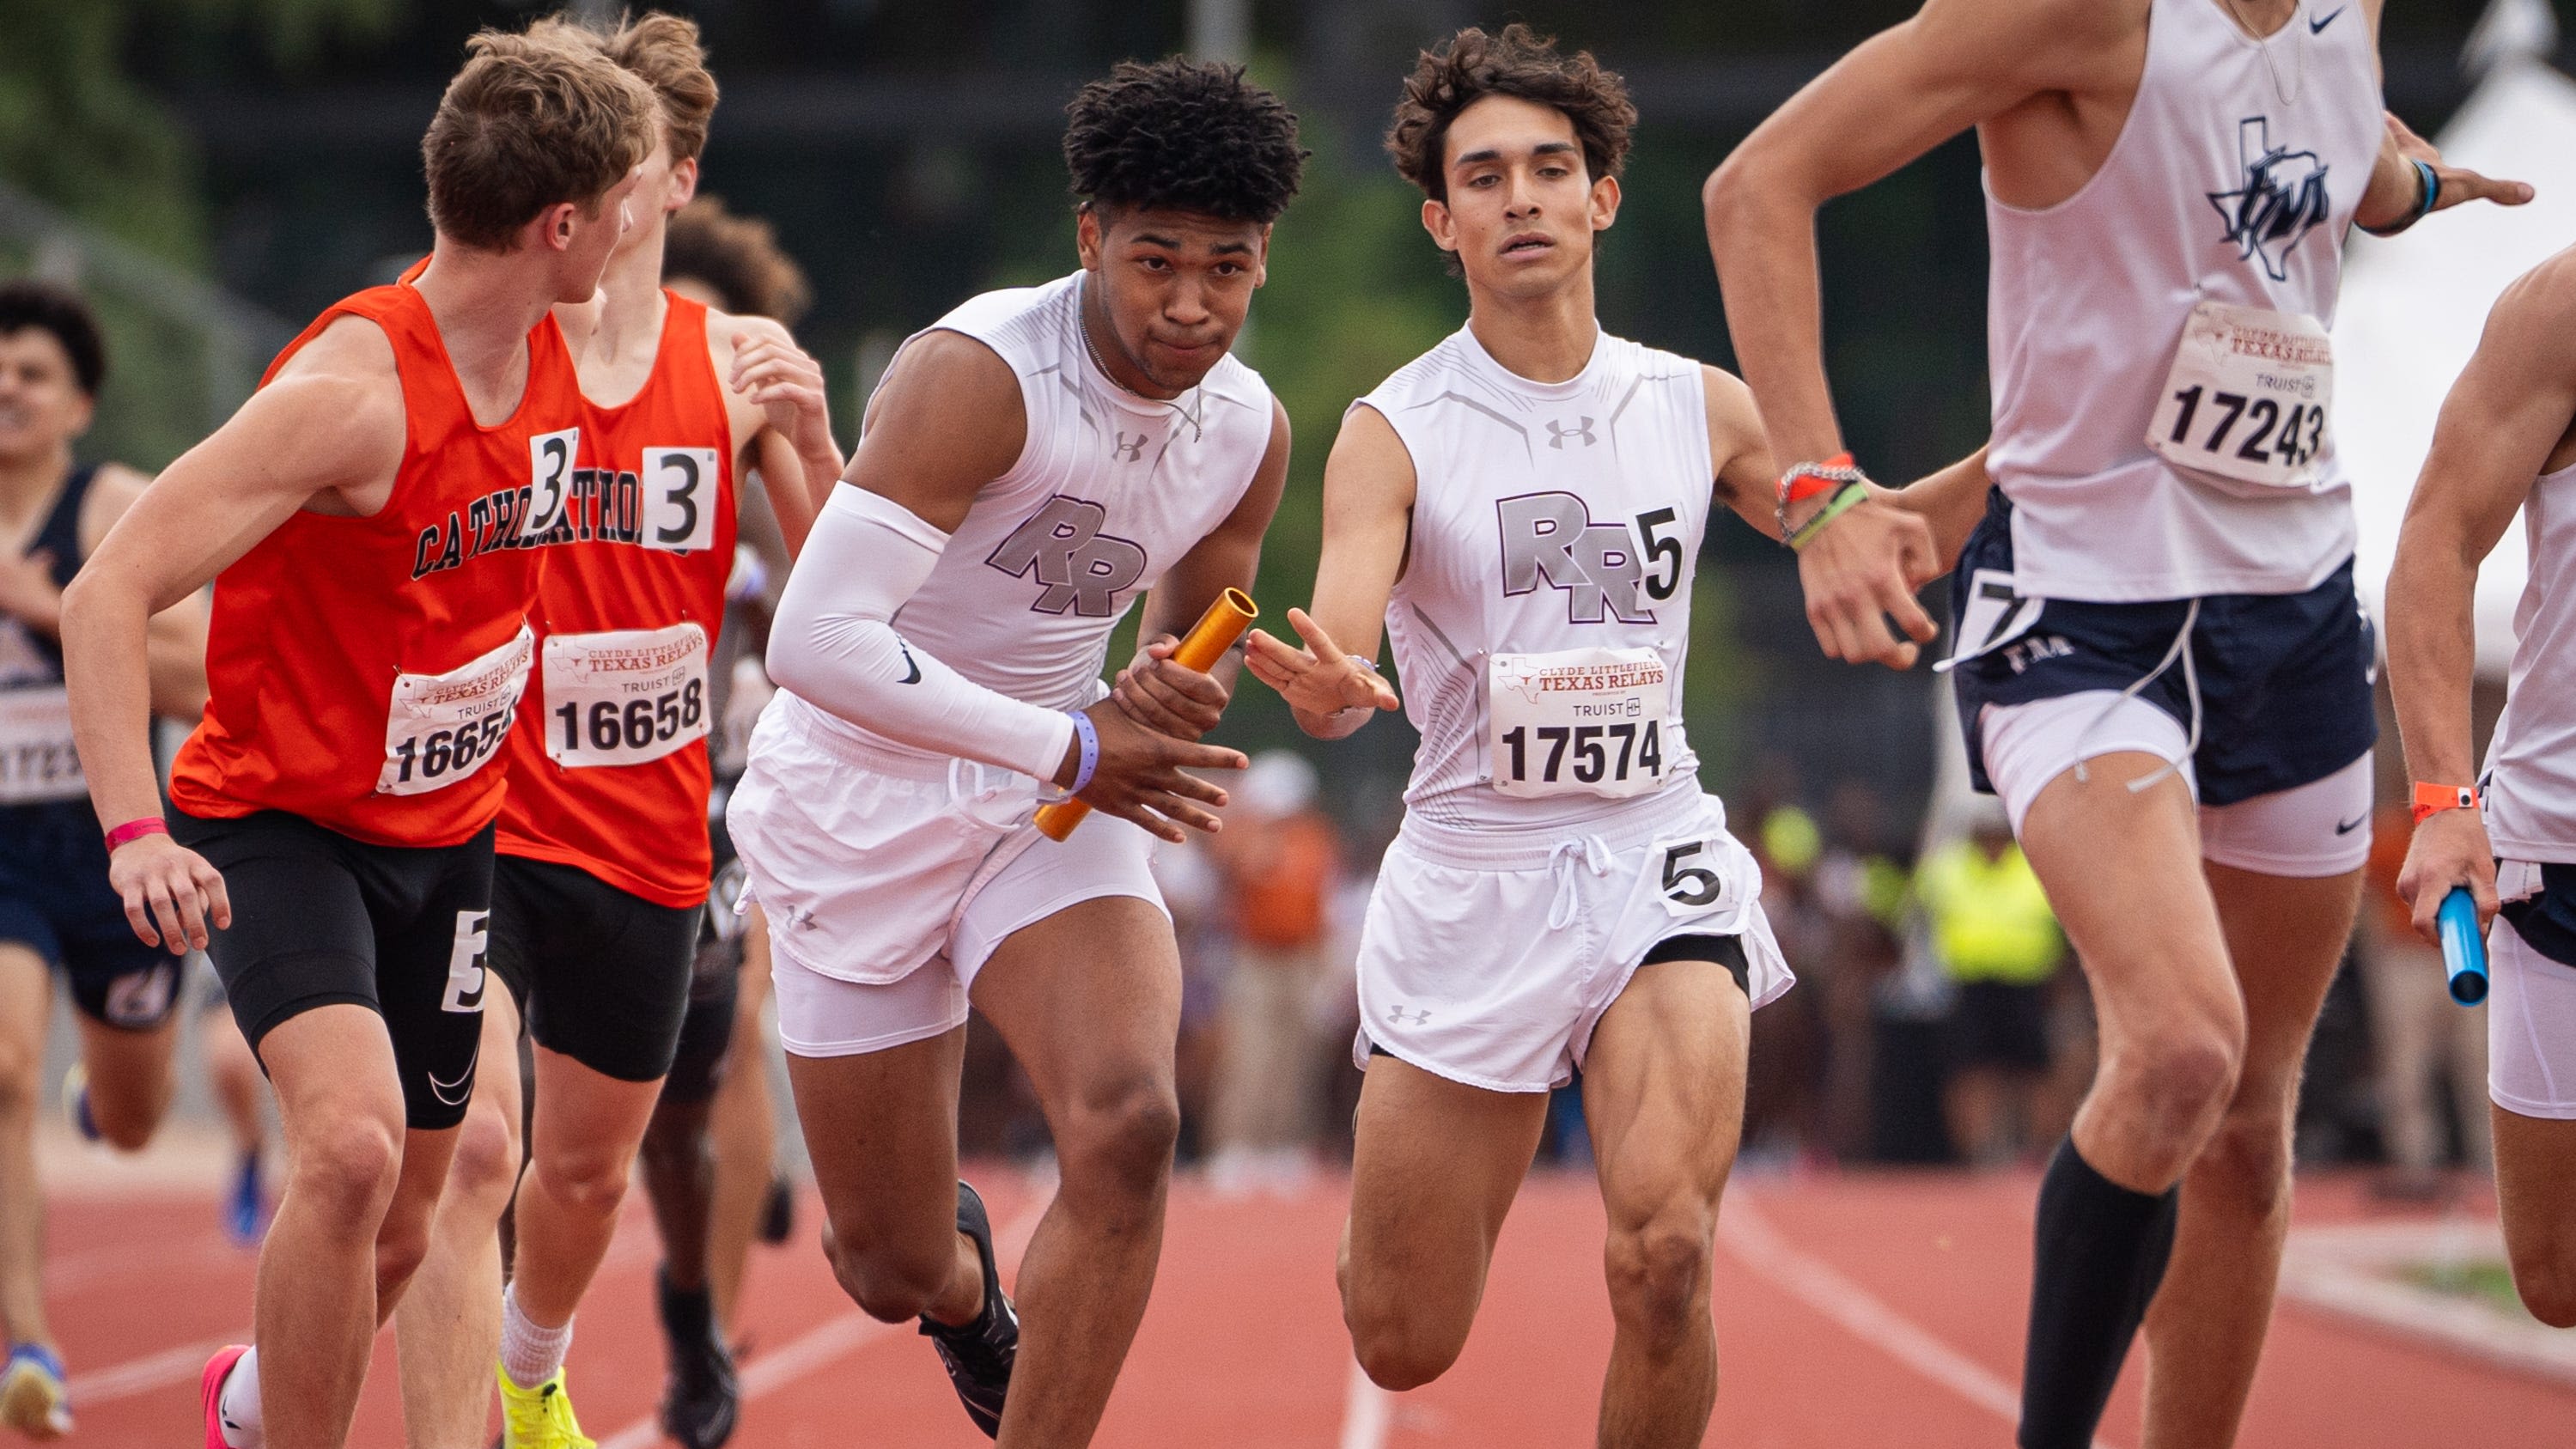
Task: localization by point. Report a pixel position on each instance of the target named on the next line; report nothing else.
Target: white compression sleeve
(833, 644)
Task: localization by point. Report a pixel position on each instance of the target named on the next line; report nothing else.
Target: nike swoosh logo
(2318, 27)
(2349, 826)
(463, 1086)
(914, 665)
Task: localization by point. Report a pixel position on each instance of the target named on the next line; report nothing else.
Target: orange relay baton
(1205, 644)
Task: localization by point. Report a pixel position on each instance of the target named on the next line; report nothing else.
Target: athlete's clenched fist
(1139, 777)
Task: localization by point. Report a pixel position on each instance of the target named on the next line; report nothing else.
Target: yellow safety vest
(1990, 919)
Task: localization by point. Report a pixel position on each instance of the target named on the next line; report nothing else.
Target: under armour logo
(2283, 199)
(1131, 452)
(1408, 1015)
(1558, 432)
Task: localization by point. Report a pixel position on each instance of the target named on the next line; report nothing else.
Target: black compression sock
(2100, 1251)
(688, 1315)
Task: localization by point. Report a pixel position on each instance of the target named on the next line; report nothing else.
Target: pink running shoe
(218, 1369)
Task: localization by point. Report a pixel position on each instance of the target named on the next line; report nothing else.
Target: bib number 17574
(1599, 753)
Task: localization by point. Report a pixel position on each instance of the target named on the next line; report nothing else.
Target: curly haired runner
(1032, 464)
(1529, 496)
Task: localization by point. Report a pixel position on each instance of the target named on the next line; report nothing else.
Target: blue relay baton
(2464, 951)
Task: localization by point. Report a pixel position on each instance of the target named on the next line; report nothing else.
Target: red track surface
(1852, 1310)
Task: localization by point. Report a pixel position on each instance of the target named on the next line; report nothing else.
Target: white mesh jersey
(2531, 763)
(1109, 490)
(2233, 181)
(1546, 517)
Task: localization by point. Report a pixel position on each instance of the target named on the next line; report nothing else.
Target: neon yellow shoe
(539, 1418)
(34, 1397)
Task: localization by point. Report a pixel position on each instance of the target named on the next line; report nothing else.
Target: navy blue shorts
(2547, 921)
(54, 899)
(2284, 679)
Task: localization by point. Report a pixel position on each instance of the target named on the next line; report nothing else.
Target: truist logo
(1081, 568)
(1550, 540)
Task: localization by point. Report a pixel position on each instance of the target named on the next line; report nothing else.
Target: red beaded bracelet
(134, 830)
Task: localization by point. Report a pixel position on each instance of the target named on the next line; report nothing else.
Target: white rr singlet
(2531, 763)
(1109, 490)
(2218, 190)
(1547, 517)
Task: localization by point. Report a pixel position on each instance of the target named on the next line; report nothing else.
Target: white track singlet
(1109, 490)
(2228, 194)
(1544, 614)
(2531, 764)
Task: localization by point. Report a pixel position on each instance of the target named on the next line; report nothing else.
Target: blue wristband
(1089, 733)
(2428, 196)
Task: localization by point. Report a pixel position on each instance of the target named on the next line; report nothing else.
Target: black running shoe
(979, 1354)
(778, 1211)
(700, 1397)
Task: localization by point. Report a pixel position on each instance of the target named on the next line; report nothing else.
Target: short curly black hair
(27, 302)
(1519, 62)
(1183, 135)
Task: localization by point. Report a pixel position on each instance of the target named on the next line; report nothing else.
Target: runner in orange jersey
(369, 520)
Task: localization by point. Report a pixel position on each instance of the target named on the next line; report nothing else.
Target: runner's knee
(591, 1178)
(2546, 1279)
(486, 1165)
(889, 1283)
(2177, 1080)
(347, 1168)
(21, 1078)
(126, 1120)
(2248, 1158)
(1399, 1345)
(1120, 1138)
(1658, 1273)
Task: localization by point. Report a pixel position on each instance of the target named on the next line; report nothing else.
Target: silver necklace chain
(2263, 44)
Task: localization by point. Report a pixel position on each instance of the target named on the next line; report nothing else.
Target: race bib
(1578, 722)
(625, 696)
(442, 728)
(37, 761)
(2245, 407)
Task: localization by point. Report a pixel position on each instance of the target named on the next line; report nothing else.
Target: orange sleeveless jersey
(608, 767)
(363, 672)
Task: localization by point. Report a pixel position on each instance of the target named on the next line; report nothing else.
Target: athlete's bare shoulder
(947, 421)
(2530, 337)
(332, 423)
(112, 490)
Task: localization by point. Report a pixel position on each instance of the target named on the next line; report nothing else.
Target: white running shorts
(1488, 958)
(2531, 1016)
(889, 877)
(2318, 829)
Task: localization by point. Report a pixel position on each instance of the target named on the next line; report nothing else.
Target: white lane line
(143, 1375)
(1750, 1237)
(1367, 1412)
(835, 1338)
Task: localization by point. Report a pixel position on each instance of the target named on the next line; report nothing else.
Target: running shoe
(76, 1102)
(211, 1392)
(35, 1396)
(246, 1208)
(978, 1355)
(539, 1418)
(700, 1397)
(778, 1211)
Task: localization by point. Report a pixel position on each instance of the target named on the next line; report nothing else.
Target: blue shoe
(76, 1103)
(246, 1208)
(35, 1394)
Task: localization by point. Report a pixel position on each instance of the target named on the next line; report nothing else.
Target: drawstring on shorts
(1587, 851)
(2179, 649)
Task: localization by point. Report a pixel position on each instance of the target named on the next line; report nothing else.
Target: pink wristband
(134, 830)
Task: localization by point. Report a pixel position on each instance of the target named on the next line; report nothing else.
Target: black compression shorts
(320, 919)
(601, 975)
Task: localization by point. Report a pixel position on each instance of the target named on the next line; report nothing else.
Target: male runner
(56, 910)
(1523, 506)
(2161, 666)
(1032, 463)
(2506, 442)
(603, 860)
(367, 518)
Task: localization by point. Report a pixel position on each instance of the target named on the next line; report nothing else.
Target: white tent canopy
(2413, 308)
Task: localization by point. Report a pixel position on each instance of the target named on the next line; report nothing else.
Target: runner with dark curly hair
(1033, 464)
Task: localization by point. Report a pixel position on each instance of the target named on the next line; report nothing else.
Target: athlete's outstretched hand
(1320, 680)
(2457, 183)
(1862, 570)
(784, 380)
(2449, 849)
(1161, 693)
(1140, 778)
(166, 885)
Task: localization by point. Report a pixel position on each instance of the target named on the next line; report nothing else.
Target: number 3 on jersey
(679, 498)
